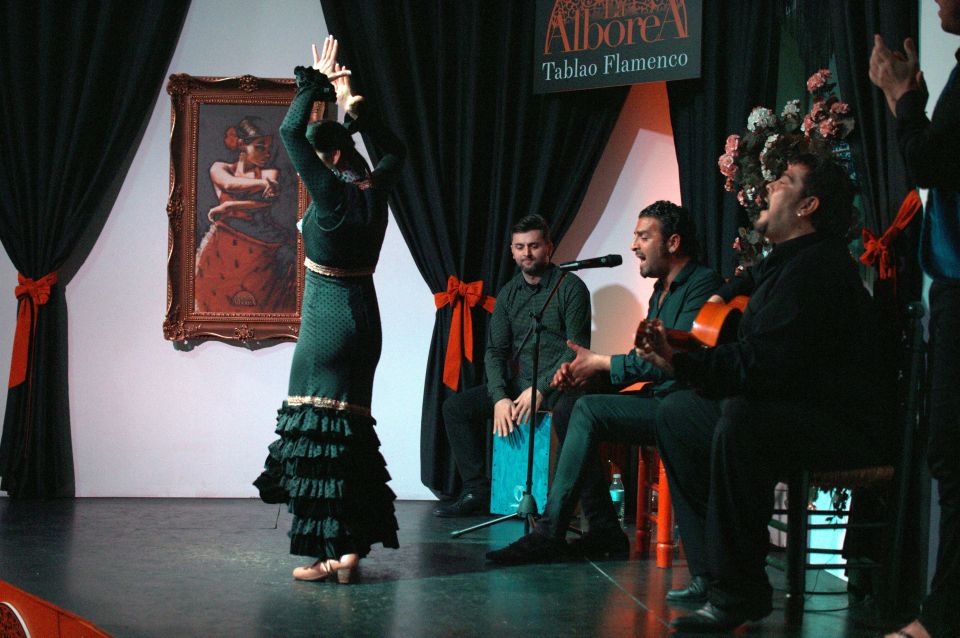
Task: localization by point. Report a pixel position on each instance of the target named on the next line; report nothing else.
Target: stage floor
(219, 567)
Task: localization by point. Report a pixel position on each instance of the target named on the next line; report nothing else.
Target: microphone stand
(527, 509)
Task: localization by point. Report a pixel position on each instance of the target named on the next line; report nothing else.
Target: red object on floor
(22, 612)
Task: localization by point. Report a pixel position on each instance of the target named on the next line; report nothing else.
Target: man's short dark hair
(674, 220)
(532, 222)
(827, 180)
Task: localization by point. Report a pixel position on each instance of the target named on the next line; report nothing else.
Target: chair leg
(797, 490)
(643, 506)
(665, 540)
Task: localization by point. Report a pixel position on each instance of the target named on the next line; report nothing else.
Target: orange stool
(649, 460)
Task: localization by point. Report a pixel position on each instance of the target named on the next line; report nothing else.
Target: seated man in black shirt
(506, 397)
(796, 390)
(665, 243)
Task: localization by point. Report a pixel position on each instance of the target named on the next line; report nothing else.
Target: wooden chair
(652, 480)
(798, 524)
(648, 465)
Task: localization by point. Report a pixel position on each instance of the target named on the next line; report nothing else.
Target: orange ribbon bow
(460, 340)
(877, 249)
(31, 295)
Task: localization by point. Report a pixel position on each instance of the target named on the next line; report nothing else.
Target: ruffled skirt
(327, 465)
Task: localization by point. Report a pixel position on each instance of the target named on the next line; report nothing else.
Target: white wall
(148, 420)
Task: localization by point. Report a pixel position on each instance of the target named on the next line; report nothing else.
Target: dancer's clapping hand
(326, 61)
(346, 100)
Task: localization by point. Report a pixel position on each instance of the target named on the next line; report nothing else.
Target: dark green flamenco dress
(327, 465)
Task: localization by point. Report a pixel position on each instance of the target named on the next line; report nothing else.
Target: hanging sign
(585, 44)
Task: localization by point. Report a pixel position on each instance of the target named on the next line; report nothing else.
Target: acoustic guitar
(715, 323)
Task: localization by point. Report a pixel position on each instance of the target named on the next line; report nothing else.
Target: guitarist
(664, 242)
(798, 389)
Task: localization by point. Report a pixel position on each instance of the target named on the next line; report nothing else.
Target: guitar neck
(683, 340)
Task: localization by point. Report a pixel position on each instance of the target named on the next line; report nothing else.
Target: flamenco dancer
(326, 465)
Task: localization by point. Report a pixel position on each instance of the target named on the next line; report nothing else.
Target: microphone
(607, 261)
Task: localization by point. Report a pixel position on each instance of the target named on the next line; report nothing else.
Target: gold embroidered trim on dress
(326, 402)
(330, 271)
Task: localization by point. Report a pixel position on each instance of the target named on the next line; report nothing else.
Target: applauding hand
(576, 373)
(894, 72)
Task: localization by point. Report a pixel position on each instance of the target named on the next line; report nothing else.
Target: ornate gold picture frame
(234, 256)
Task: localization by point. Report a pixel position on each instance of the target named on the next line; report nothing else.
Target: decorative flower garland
(758, 155)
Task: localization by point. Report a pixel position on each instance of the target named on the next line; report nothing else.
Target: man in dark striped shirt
(506, 395)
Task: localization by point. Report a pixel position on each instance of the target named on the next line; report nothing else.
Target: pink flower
(733, 143)
(828, 128)
(728, 185)
(818, 79)
(840, 108)
(816, 111)
(808, 125)
(728, 167)
(742, 198)
(736, 245)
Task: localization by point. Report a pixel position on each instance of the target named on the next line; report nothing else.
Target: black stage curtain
(741, 42)
(454, 80)
(883, 177)
(883, 182)
(80, 79)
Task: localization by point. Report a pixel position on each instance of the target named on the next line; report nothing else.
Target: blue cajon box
(509, 471)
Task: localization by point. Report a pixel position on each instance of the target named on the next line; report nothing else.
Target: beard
(536, 269)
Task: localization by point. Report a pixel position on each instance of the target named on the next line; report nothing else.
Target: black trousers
(723, 461)
(466, 416)
(941, 610)
(579, 473)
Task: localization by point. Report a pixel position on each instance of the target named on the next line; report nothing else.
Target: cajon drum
(509, 471)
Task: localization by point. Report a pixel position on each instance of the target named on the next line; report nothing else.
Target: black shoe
(712, 619)
(532, 548)
(468, 504)
(695, 592)
(611, 543)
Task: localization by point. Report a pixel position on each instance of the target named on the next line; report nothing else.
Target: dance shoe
(344, 570)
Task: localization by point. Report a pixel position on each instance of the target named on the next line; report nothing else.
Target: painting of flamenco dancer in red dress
(246, 256)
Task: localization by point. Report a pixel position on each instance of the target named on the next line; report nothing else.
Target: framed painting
(235, 259)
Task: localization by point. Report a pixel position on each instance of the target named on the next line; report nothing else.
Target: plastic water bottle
(616, 495)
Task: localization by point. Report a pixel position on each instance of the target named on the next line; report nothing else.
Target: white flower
(761, 118)
(791, 109)
(771, 140)
(767, 174)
